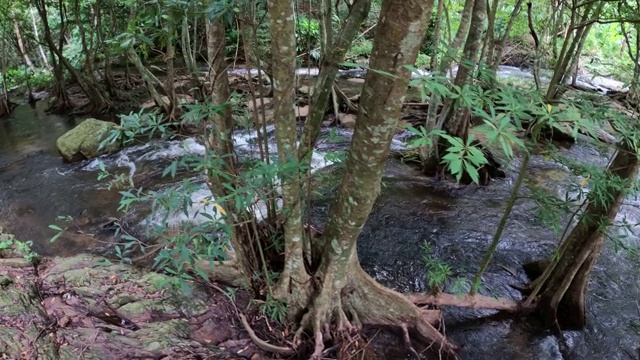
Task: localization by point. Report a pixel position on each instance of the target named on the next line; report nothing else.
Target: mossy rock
(83, 141)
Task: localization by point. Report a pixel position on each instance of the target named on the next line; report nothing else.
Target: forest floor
(85, 307)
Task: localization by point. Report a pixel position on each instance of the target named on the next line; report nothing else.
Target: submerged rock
(83, 141)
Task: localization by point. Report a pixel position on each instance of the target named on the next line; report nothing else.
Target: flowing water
(458, 222)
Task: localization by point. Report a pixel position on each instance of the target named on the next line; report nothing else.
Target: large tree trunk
(559, 293)
(343, 294)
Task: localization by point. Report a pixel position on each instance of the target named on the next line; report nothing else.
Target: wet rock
(83, 141)
(302, 112)
(347, 120)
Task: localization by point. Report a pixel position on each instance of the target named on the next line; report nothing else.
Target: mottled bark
(189, 59)
(62, 101)
(557, 85)
(435, 43)
(98, 102)
(561, 289)
(294, 278)
(346, 291)
(493, 59)
(5, 108)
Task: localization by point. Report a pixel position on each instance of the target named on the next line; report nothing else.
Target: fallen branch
(286, 351)
(475, 301)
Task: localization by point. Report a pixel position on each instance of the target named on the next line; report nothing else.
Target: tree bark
(347, 297)
(569, 52)
(561, 289)
(461, 35)
(294, 278)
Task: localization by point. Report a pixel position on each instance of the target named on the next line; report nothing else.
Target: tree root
(470, 301)
(285, 351)
(339, 313)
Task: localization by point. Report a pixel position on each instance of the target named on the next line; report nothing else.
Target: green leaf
(473, 172)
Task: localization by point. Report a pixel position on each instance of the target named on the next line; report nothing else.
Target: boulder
(83, 141)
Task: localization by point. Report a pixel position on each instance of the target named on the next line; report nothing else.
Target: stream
(458, 222)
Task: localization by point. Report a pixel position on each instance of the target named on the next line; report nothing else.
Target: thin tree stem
(503, 222)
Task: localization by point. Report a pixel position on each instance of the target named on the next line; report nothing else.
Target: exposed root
(285, 351)
(339, 314)
(407, 341)
(474, 301)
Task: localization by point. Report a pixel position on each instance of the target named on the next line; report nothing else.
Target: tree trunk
(344, 295)
(189, 59)
(21, 48)
(456, 121)
(430, 155)
(461, 35)
(494, 60)
(294, 278)
(328, 71)
(43, 55)
(96, 98)
(149, 79)
(559, 293)
(170, 87)
(435, 44)
(5, 106)
(220, 141)
(557, 85)
(62, 101)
